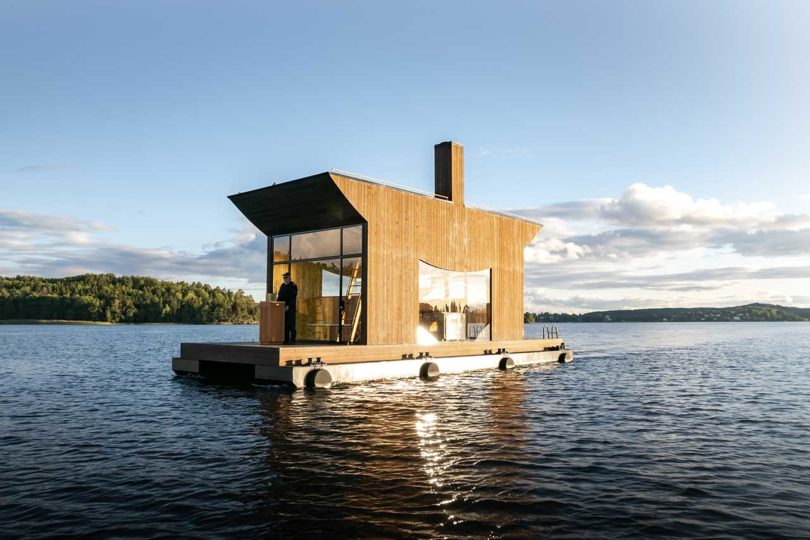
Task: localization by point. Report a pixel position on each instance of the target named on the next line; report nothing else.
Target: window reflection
(316, 244)
(281, 248)
(353, 240)
(318, 298)
(330, 281)
(351, 320)
(353, 272)
(278, 270)
(453, 306)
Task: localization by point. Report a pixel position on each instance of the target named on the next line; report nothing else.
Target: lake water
(692, 429)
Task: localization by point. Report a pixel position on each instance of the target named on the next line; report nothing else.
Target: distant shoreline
(107, 298)
(659, 322)
(746, 313)
(45, 321)
(102, 323)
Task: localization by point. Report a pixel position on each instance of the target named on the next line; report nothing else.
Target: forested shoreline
(122, 299)
(107, 298)
(749, 312)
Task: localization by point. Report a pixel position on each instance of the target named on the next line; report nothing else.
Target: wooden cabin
(418, 283)
(377, 264)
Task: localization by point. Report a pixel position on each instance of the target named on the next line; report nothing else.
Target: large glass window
(327, 267)
(314, 245)
(453, 306)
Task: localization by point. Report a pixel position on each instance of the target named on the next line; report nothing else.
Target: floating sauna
(391, 283)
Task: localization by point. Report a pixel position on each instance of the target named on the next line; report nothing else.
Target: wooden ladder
(355, 318)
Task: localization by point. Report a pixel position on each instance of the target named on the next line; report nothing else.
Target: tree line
(122, 299)
(749, 312)
(550, 317)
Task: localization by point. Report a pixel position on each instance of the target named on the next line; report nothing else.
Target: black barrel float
(429, 370)
(506, 363)
(318, 378)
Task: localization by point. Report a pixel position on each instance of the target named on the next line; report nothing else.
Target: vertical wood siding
(405, 227)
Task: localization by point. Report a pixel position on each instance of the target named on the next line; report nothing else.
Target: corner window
(327, 266)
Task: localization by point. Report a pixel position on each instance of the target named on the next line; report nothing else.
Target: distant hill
(750, 312)
(121, 299)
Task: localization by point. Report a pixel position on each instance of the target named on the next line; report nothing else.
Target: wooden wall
(404, 227)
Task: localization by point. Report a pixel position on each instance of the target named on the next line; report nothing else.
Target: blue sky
(664, 141)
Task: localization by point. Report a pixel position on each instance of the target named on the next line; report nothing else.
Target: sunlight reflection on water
(667, 429)
(431, 447)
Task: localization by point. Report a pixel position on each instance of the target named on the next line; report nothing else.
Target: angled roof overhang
(310, 203)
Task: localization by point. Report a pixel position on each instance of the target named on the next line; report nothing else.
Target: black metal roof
(310, 203)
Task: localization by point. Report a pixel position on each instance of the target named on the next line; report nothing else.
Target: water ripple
(656, 430)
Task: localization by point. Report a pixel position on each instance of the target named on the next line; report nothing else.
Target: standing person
(288, 293)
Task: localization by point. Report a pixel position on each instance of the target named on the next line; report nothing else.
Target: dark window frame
(362, 255)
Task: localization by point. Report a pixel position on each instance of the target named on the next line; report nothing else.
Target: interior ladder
(358, 304)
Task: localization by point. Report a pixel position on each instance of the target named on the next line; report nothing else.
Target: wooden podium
(271, 323)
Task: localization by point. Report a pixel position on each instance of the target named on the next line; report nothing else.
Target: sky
(664, 145)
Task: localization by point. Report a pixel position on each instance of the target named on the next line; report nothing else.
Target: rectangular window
(281, 248)
(353, 240)
(314, 245)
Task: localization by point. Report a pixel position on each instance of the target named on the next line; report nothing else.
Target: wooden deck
(304, 354)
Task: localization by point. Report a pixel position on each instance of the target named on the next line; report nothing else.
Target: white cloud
(542, 301)
(33, 223)
(554, 250)
(621, 277)
(647, 206)
(56, 246)
(648, 221)
(658, 246)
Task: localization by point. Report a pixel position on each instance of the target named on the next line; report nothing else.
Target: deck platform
(301, 364)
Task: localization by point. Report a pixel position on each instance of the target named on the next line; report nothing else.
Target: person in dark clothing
(288, 293)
